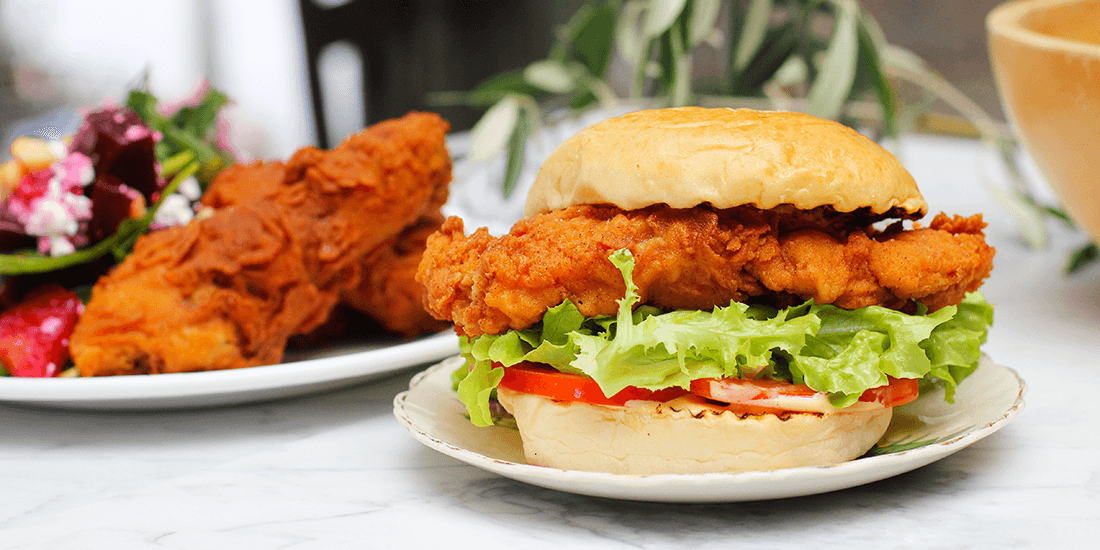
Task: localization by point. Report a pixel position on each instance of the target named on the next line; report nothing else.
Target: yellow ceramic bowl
(1046, 59)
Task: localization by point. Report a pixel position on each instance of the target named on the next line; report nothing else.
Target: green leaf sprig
(772, 50)
(776, 58)
(191, 129)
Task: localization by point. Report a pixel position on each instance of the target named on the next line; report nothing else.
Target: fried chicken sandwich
(711, 290)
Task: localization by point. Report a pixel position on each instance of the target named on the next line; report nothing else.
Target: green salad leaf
(833, 350)
(190, 129)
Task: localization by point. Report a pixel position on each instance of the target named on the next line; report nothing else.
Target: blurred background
(58, 55)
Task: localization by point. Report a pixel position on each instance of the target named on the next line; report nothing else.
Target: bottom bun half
(684, 436)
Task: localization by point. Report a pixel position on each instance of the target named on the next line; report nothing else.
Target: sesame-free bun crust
(684, 438)
(688, 156)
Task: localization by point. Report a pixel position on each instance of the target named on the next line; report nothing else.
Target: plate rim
(820, 479)
(327, 370)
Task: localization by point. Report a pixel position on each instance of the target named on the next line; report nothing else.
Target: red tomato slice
(898, 392)
(545, 381)
(744, 395)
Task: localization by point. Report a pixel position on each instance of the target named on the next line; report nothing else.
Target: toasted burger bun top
(689, 156)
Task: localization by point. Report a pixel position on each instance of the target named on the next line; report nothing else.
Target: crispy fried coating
(221, 293)
(345, 203)
(246, 184)
(692, 259)
(388, 291)
(226, 291)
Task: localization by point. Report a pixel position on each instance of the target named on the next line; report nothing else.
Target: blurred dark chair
(409, 48)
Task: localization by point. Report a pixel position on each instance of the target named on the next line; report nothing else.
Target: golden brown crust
(690, 156)
(228, 290)
(388, 291)
(692, 259)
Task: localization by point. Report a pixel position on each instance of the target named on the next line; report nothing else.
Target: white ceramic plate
(304, 373)
(922, 432)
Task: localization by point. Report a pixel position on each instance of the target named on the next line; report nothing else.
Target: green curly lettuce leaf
(840, 352)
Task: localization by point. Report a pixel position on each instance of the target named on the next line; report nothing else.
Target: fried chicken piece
(950, 256)
(220, 293)
(691, 259)
(345, 203)
(226, 291)
(246, 184)
(935, 266)
(387, 291)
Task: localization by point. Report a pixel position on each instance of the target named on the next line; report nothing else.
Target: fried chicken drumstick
(693, 259)
(387, 291)
(228, 290)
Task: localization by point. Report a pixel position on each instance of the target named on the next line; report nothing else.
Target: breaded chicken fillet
(692, 259)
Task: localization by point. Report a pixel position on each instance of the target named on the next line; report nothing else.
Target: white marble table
(336, 470)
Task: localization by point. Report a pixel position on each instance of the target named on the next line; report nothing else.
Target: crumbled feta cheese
(136, 132)
(79, 206)
(59, 245)
(50, 205)
(50, 218)
(175, 210)
(190, 188)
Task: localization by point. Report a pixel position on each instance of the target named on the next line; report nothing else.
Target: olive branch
(828, 58)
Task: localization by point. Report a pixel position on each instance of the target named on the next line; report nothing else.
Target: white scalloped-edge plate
(311, 372)
(922, 432)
